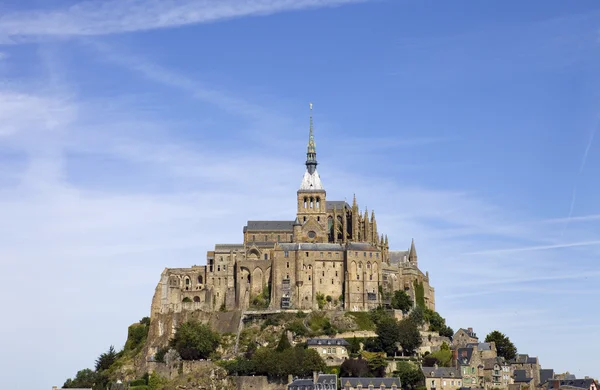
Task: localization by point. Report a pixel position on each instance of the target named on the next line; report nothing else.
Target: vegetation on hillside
(194, 341)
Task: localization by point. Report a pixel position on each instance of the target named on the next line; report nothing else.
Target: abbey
(330, 254)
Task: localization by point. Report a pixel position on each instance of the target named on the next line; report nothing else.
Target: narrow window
(321, 254)
(332, 281)
(370, 254)
(253, 237)
(318, 219)
(288, 264)
(357, 277)
(304, 219)
(309, 280)
(323, 273)
(266, 256)
(370, 277)
(218, 267)
(306, 254)
(365, 254)
(320, 281)
(336, 273)
(286, 254)
(278, 238)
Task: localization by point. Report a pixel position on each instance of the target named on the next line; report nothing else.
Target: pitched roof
(441, 372)
(327, 341)
(366, 382)
(480, 346)
(488, 364)
(339, 204)
(469, 333)
(397, 257)
(311, 181)
(521, 376)
(362, 246)
(324, 379)
(464, 355)
(546, 374)
(269, 226)
(228, 247)
(579, 383)
(288, 246)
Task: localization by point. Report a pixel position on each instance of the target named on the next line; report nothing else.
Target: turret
(412, 254)
(366, 236)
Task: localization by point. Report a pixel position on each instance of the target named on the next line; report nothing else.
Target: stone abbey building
(329, 253)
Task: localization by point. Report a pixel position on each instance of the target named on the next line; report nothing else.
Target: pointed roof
(311, 179)
(412, 254)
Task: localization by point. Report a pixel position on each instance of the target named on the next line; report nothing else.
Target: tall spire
(311, 152)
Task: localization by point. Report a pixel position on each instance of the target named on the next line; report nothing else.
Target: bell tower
(312, 208)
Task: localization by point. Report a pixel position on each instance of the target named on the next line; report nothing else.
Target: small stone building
(462, 337)
(332, 351)
(319, 381)
(442, 378)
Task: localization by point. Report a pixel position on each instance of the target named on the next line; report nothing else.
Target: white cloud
(119, 16)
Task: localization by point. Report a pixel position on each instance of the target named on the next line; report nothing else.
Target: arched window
(196, 299)
(199, 279)
(318, 203)
(305, 202)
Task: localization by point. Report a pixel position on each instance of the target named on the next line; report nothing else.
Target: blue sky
(134, 135)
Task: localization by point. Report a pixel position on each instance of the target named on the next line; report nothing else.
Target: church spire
(311, 152)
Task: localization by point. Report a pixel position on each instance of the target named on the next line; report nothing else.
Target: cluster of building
(476, 365)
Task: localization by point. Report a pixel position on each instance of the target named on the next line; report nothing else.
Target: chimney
(455, 357)
(470, 330)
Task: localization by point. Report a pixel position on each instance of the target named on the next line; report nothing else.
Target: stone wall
(258, 383)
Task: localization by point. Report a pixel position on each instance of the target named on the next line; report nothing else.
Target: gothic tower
(312, 209)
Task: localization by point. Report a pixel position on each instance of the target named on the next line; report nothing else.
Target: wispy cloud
(535, 248)
(120, 16)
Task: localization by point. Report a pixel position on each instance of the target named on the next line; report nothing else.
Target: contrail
(581, 167)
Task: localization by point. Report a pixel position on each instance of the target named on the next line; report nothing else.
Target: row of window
(267, 238)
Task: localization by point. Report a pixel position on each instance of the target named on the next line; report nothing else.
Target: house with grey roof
(332, 351)
(572, 384)
(319, 381)
(462, 337)
(546, 375)
(348, 383)
(497, 373)
(530, 364)
(442, 378)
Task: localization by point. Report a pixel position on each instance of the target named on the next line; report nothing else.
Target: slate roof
(480, 346)
(324, 381)
(397, 257)
(365, 382)
(330, 379)
(296, 383)
(488, 364)
(464, 355)
(441, 372)
(269, 226)
(546, 374)
(521, 376)
(525, 359)
(228, 247)
(579, 383)
(471, 334)
(339, 204)
(288, 246)
(361, 246)
(327, 341)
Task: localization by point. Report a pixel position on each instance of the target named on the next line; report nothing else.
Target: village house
(319, 381)
(530, 365)
(370, 383)
(572, 384)
(496, 373)
(442, 378)
(462, 337)
(332, 351)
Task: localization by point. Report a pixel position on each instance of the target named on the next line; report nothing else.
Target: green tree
(106, 359)
(388, 333)
(156, 382)
(409, 336)
(410, 376)
(354, 368)
(417, 316)
(442, 358)
(504, 347)
(136, 336)
(194, 341)
(354, 346)
(377, 365)
(284, 343)
(401, 301)
(84, 378)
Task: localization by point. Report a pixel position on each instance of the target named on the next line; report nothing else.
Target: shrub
(194, 341)
(186, 300)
